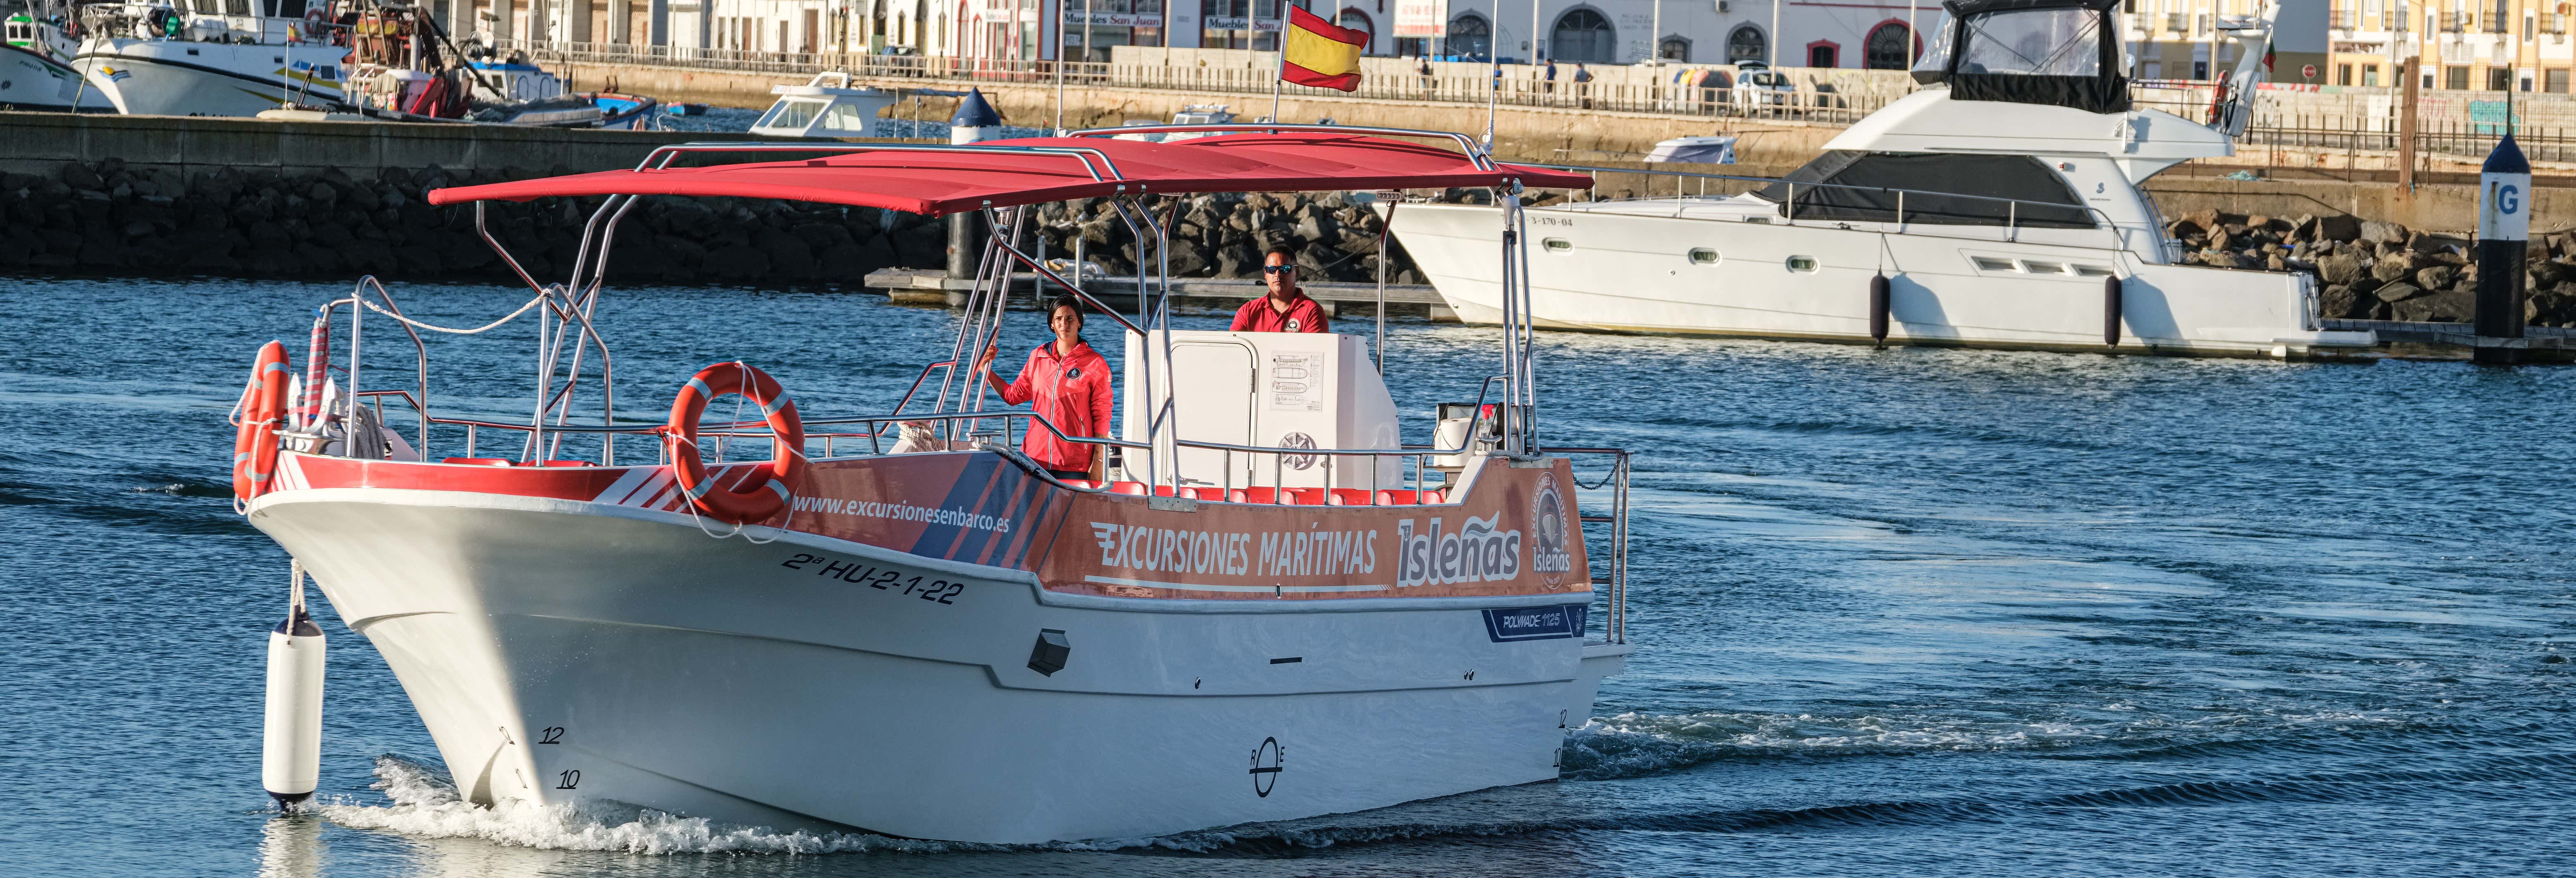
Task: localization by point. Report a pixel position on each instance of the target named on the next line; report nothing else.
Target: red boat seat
(567, 463)
(1348, 497)
(1409, 498)
(477, 461)
(1137, 488)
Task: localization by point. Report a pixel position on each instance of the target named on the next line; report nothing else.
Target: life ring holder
(263, 405)
(753, 499)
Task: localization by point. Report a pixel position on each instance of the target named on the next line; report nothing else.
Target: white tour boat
(1272, 610)
(2004, 210)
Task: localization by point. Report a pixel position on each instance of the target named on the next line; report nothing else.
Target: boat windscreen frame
(1010, 214)
(2106, 90)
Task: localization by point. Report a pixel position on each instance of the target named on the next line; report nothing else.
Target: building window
(2499, 79)
(2369, 74)
(1746, 44)
(1584, 35)
(1821, 54)
(1674, 49)
(1889, 47)
(2555, 82)
(1470, 37)
(2343, 74)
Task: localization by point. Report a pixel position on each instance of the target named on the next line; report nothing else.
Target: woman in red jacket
(1069, 382)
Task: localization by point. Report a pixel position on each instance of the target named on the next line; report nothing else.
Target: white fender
(290, 757)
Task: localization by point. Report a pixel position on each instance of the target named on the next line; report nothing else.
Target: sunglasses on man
(1278, 269)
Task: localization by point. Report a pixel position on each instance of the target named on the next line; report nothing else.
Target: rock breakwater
(107, 218)
(2371, 270)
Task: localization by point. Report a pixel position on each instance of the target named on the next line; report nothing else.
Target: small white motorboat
(1712, 149)
(827, 106)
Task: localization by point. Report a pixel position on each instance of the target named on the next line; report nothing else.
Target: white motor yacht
(2004, 210)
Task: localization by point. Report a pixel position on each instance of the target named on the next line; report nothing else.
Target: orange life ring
(263, 404)
(760, 495)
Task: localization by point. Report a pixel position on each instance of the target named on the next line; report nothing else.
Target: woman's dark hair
(1065, 302)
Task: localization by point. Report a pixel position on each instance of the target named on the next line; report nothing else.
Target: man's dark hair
(1283, 250)
(1064, 301)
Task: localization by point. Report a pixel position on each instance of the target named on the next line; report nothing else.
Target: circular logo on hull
(1267, 761)
(1551, 527)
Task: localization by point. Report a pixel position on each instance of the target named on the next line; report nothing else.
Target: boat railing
(1616, 482)
(2118, 233)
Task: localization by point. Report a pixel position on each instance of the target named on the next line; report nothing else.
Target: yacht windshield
(2055, 52)
(2037, 42)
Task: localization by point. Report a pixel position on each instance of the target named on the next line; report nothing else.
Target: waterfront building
(2480, 45)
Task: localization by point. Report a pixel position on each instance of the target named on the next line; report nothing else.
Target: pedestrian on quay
(1286, 308)
(1582, 86)
(1068, 383)
(1548, 84)
(1425, 70)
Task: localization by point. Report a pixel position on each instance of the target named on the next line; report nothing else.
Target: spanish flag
(1320, 54)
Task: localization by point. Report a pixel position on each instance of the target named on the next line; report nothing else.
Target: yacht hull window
(1939, 181)
(2063, 53)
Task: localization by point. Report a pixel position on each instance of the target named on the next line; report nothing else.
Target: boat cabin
(2064, 53)
(827, 106)
(1273, 389)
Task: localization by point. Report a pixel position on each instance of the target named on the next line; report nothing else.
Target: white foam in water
(425, 804)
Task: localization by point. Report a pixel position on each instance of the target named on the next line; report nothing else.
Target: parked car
(1757, 85)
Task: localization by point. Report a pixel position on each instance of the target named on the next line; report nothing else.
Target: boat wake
(424, 803)
(1634, 744)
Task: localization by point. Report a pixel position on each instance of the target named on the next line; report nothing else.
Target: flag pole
(1058, 50)
(1281, 43)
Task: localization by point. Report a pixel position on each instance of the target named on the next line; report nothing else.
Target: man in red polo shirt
(1069, 383)
(1286, 309)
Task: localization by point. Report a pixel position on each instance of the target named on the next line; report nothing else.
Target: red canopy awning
(1042, 169)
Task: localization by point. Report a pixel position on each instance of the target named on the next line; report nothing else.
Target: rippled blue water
(1898, 612)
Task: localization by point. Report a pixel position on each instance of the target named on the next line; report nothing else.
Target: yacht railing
(1418, 486)
(2119, 234)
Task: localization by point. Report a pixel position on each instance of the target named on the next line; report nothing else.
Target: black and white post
(2504, 230)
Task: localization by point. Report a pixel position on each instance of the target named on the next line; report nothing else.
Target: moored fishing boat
(36, 65)
(1270, 608)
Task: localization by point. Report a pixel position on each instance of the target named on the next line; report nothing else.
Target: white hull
(186, 78)
(1627, 267)
(543, 638)
(28, 82)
